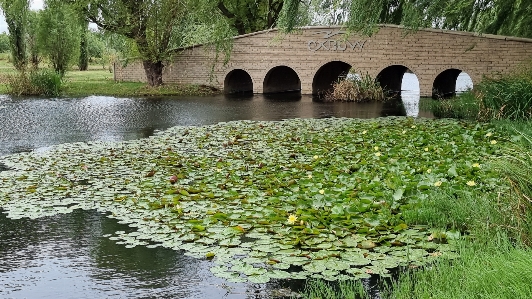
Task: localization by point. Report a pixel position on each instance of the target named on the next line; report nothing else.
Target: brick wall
(427, 53)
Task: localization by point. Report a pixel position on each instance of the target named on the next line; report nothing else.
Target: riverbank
(99, 81)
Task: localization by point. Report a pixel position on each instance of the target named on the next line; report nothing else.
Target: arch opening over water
(327, 75)
(445, 85)
(463, 82)
(281, 79)
(238, 81)
(391, 78)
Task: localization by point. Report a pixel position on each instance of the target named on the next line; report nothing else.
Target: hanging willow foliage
(289, 15)
(506, 17)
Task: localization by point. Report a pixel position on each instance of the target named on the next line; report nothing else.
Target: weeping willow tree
(507, 17)
(151, 25)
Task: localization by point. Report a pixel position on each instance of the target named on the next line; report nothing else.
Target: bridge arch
(238, 81)
(327, 74)
(444, 85)
(281, 79)
(391, 78)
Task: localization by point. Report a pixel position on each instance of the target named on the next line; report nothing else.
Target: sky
(34, 4)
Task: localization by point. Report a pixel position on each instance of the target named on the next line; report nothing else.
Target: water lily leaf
(230, 242)
(266, 248)
(452, 171)
(398, 194)
(282, 266)
(259, 278)
(278, 274)
(336, 265)
(350, 242)
(367, 244)
(315, 267)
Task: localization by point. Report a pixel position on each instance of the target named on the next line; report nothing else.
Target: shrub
(497, 97)
(38, 82)
(360, 89)
(465, 106)
(507, 97)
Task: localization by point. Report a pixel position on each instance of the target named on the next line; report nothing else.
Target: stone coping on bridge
(312, 58)
(406, 29)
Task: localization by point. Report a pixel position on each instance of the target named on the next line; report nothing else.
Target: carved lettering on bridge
(328, 44)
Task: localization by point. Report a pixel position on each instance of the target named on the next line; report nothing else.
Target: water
(35, 123)
(65, 256)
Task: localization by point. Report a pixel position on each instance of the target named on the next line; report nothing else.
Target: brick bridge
(311, 59)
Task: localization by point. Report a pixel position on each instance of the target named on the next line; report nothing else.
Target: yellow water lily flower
(438, 183)
(471, 183)
(378, 154)
(376, 148)
(364, 132)
(413, 127)
(404, 132)
(316, 157)
(322, 191)
(426, 149)
(292, 219)
(429, 170)
(493, 142)
(476, 165)
(489, 134)
(310, 176)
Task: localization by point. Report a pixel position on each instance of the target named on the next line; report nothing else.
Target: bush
(498, 97)
(465, 106)
(361, 89)
(506, 97)
(39, 82)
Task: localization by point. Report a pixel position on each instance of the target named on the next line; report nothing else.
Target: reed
(501, 271)
(497, 97)
(326, 290)
(36, 82)
(361, 89)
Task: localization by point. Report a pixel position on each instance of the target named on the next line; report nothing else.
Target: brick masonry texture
(426, 52)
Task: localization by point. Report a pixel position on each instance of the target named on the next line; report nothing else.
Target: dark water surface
(32, 123)
(65, 256)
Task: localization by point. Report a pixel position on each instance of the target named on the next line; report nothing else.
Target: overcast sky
(34, 4)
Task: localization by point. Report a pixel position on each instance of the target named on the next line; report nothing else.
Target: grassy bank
(100, 81)
(496, 97)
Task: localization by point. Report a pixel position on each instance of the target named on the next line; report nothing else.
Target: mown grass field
(99, 80)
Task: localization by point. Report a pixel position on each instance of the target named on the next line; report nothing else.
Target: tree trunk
(83, 63)
(154, 72)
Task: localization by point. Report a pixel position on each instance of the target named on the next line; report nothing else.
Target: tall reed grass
(359, 89)
(500, 271)
(42, 82)
(325, 290)
(497, 97)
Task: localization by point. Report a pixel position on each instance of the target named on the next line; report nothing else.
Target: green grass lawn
(98, 80)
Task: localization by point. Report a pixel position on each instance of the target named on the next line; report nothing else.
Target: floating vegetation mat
(266, 200)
